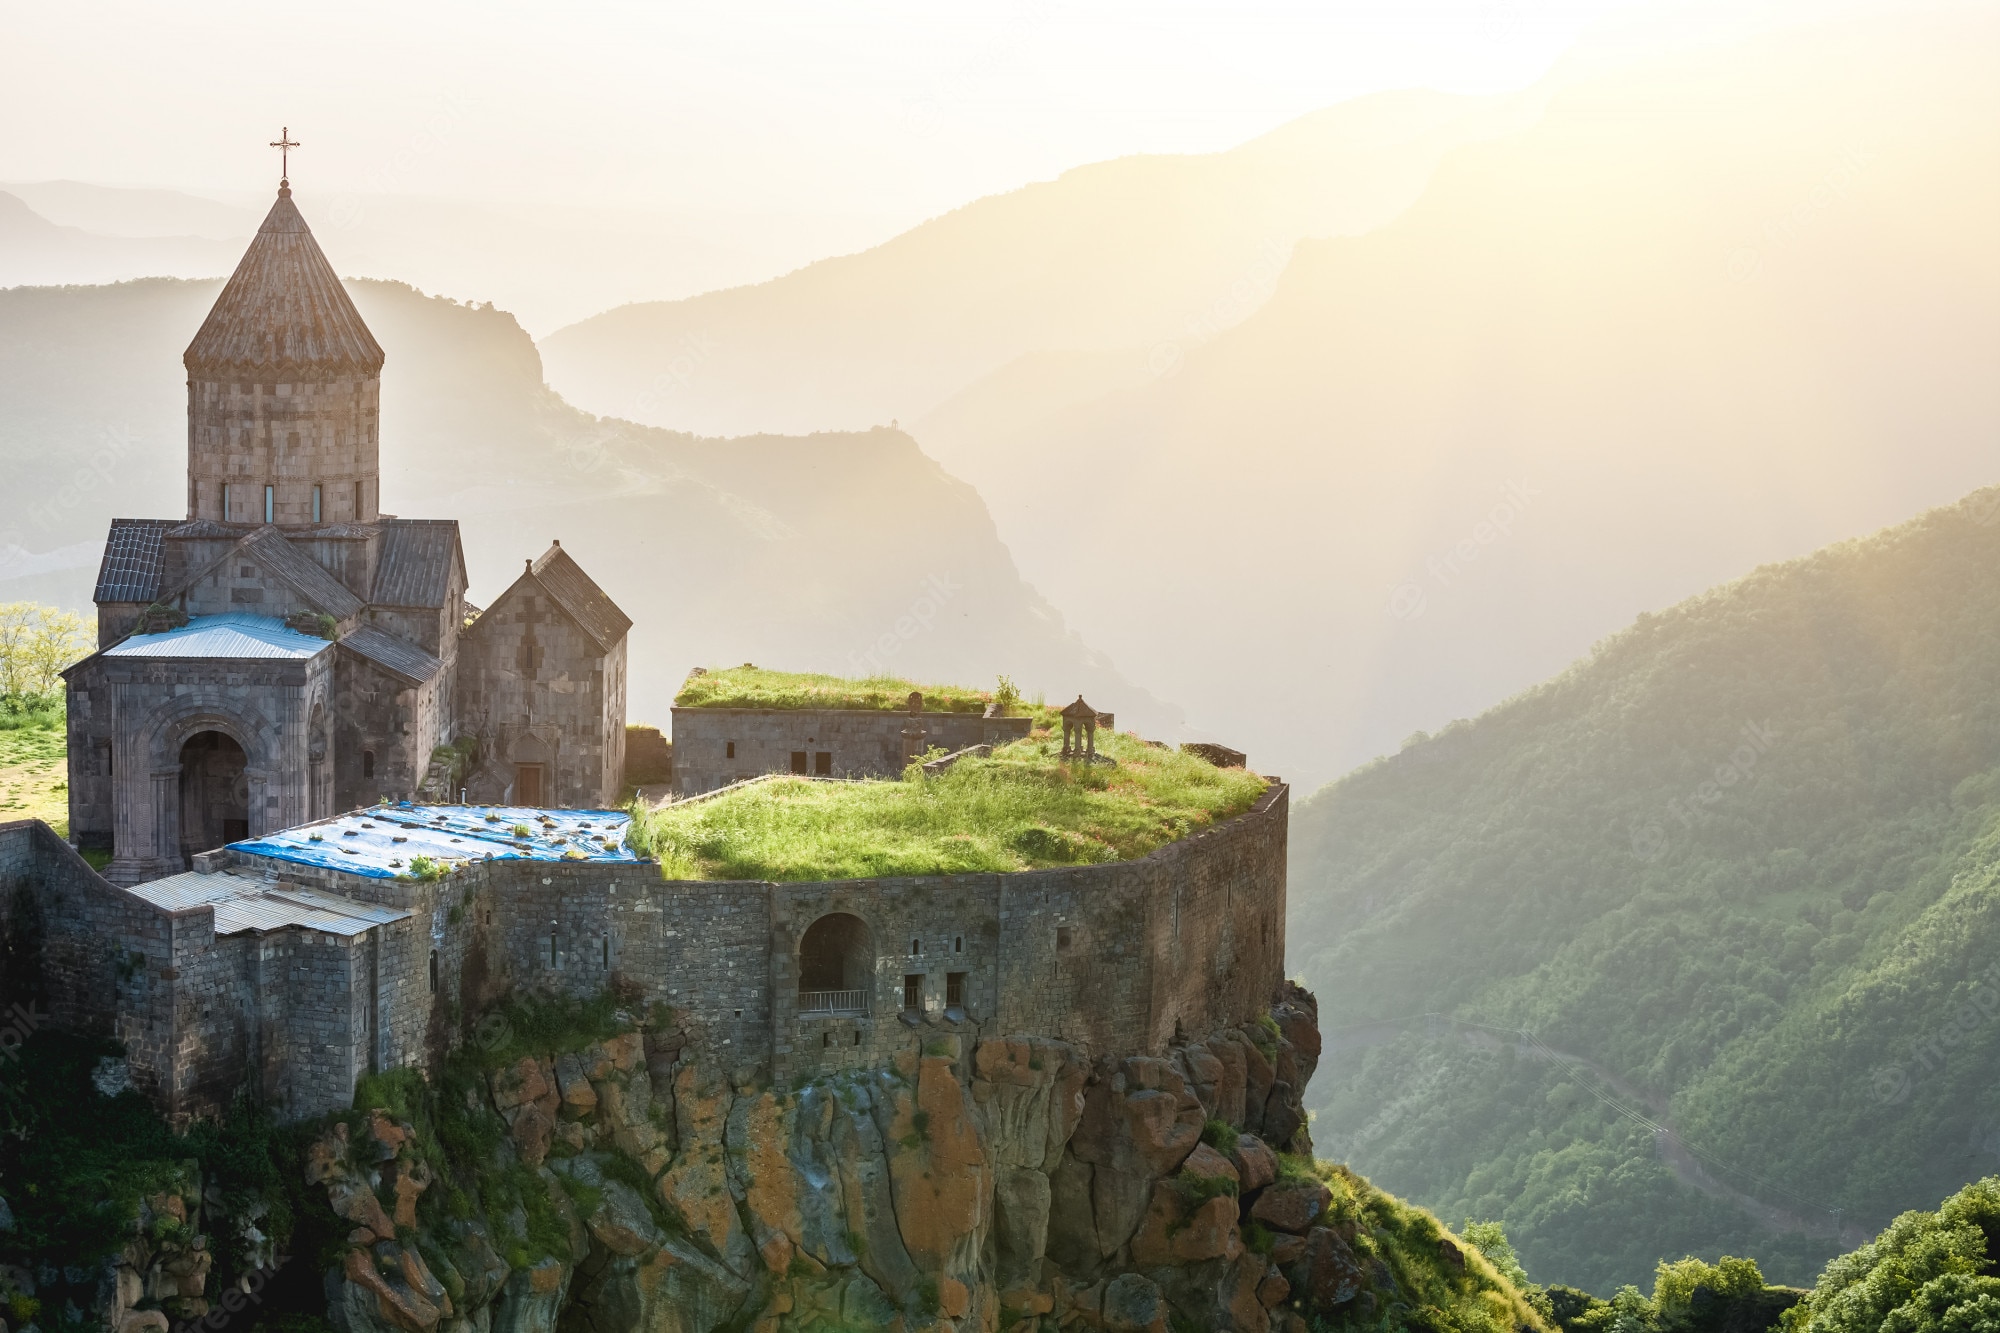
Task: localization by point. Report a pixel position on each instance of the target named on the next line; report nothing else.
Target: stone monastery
(347, 813)
(288, 650)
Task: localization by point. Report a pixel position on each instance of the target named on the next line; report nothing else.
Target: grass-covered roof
(1024, 808)
(756, 687)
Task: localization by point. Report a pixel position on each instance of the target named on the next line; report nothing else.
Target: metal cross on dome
(285, 143)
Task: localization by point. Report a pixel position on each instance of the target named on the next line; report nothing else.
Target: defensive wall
(388, 972)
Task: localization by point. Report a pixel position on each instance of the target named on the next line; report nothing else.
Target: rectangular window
(729, 750)
(225, 502)
(270, 503)
(823, 763)
(954, 990)
(357, 502)
(798, 761)
(316, 504)
(913, 992)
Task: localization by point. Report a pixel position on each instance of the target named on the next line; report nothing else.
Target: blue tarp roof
(231, 635)
(380, 840)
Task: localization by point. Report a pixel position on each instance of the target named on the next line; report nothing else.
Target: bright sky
(885, 110)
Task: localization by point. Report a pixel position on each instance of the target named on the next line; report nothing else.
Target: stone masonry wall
(716, 746)
(1127, 956)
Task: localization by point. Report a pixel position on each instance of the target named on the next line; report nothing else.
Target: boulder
(1206, 1074)
(1282, 1116)
(1207, 1163)
(528, 1081)
(1326, 1274)
(1227, 1049)
(1133, 1304)
(621, 1223)
(1256, 1165)
(578, 1097)
(532, 1299)
(1182, 1227)
(1021, 1199)
(533, 1130)
(1291, 1207)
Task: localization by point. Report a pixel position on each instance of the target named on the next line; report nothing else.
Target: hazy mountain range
(1717, 309)
(848, 552)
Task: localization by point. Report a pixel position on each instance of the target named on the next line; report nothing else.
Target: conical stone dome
(283, 311)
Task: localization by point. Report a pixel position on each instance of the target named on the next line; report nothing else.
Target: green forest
(1738, 874)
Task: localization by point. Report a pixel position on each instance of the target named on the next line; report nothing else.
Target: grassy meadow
(34, 774)
(1022, 809)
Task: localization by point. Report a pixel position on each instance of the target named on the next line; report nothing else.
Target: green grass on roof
(1022, 809)
(756, 687)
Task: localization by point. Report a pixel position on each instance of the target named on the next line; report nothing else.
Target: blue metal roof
(381, 840)
(231, 635)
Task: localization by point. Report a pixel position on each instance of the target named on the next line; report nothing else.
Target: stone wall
(380, 714)
(717, 746)
(1124, 957)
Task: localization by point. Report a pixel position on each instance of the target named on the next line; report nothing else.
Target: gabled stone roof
(398, 656)
(578, 594)
(283, 311)
(283, 561)
(415, 565)
(133, 558)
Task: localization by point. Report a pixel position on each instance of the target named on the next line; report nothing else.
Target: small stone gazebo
(1079, 731)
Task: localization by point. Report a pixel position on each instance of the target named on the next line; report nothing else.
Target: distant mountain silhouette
(840, 552)
(1715, 311)
(36, 250)
(1157, 252)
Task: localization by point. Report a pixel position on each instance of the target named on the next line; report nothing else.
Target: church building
(288, 650)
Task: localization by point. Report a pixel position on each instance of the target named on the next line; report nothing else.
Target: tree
(36, 643)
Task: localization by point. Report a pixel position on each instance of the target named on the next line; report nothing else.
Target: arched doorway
(836, 966)
(215, 792)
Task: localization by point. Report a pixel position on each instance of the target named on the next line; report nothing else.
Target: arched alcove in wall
(836, 965)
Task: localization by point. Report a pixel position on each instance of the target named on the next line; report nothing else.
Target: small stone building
(714, 747)
(288, 650)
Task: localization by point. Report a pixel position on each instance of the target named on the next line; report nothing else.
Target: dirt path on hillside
(1684, 1162)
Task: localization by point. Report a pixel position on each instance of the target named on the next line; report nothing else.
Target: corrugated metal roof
(228, 636)
(384, 649)
(130, 571)
(284, 561)
(578, 594)
(242, 902)
(415, 565)
(283, 309)
(380, 841)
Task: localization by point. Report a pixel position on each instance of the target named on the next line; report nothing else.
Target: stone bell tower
(284, 391)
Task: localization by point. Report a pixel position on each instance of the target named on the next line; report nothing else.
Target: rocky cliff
(612, 1177)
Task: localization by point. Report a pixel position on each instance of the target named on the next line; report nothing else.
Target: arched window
(836, 966)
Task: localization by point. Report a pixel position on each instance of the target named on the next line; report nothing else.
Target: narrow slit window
(316, 504)
(607, 951)
(552, 949)
(270, 503)
(916, 947)
(367, 763)
(958, 944)
(357, 500)
(434, 971)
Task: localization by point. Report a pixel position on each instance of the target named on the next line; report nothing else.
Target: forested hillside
(1739, 874)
